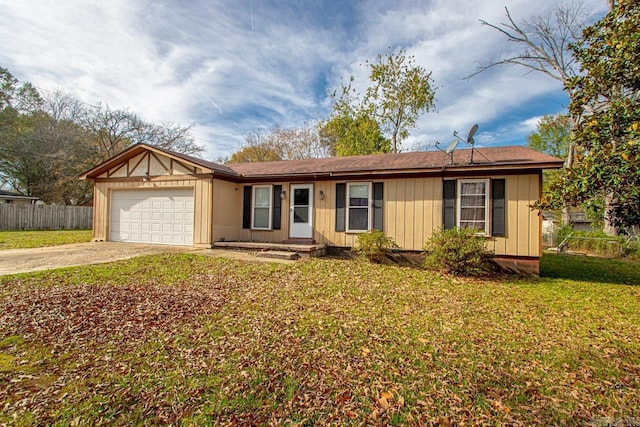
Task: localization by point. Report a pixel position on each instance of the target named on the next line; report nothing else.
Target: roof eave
(401, 172)
(132, 152)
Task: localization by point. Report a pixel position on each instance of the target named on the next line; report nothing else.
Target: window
(358, 203)
(473, 204)
(262, 208)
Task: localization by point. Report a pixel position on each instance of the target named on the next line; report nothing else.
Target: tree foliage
(352, 130)
(303, 142)
(553, 136)
(399, 93)
(607, 98)
(256, 148)
(543, 45)
(47, 140)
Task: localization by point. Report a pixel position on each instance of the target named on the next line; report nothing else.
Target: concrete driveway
(16, 261)
(25, 260)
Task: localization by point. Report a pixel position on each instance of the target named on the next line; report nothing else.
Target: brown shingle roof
(495, 158)
(512, 157)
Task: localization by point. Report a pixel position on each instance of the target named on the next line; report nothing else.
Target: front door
(301, 213)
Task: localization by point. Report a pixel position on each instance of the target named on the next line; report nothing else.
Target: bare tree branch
(543, 41)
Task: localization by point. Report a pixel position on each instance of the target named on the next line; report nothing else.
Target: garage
(162, 217)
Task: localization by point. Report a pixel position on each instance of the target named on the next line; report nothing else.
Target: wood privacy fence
(45, 217)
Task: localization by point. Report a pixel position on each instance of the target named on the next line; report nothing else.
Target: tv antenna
(450, 148)
(469, 140)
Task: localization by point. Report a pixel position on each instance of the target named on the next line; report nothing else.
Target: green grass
(193, 340)
(590, 269)
(38, 239)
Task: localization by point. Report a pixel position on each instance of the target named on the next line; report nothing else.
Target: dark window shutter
(497, 208)
(277, 206)
(341, 201)
(449, 204)
(378, 193)
(246, 207)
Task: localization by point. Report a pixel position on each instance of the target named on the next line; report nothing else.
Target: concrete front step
(278, 255)
(306, 251)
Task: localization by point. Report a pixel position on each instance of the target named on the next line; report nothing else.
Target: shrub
(458, 251)
(375, 245)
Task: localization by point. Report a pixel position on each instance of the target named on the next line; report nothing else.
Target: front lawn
(195, 340)
(37, 239)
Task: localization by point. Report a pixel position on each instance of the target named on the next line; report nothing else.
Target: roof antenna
(469, 140)
(450, 148)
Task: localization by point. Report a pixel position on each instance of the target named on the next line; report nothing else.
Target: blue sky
(227, 67)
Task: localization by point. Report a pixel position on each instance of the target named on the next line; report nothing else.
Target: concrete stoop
(290, 251)
(292, 256)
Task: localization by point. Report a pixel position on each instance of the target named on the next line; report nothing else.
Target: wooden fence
(45, 217)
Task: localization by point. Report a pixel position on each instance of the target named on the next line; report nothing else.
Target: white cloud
(226, 66)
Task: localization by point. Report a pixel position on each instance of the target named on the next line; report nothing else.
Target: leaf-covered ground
(194, 340)
(38, 239)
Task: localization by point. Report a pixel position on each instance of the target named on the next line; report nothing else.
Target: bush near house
(375, 246)
(461, 252)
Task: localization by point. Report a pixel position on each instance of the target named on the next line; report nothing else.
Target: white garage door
(152, 216)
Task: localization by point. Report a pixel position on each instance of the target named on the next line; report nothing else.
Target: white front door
(301, 212)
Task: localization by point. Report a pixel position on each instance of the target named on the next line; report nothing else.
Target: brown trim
(211, 218)
(454, 171)
(518, 257)
(161, 163)
(130, 171)
(191, 169)
(109, 173)
(155, 178)
(540, 214)
(372, 177)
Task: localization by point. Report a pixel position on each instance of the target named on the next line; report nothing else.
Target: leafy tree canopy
(302, 142)
(398, 94)
(553, 136)
(47, 140)
(607, 98)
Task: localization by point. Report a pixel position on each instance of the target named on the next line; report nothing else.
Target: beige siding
(413, 209)
(227, 210)
(522, 223)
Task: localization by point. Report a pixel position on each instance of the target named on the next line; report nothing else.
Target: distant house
(16, 198)
(153, 195)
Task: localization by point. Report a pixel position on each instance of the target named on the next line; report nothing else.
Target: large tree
(47, 140)
(552, 136)
(352, 129)
(542, 45)
(399, 92)
(302, 142)
(607, 98)
(256, 148)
